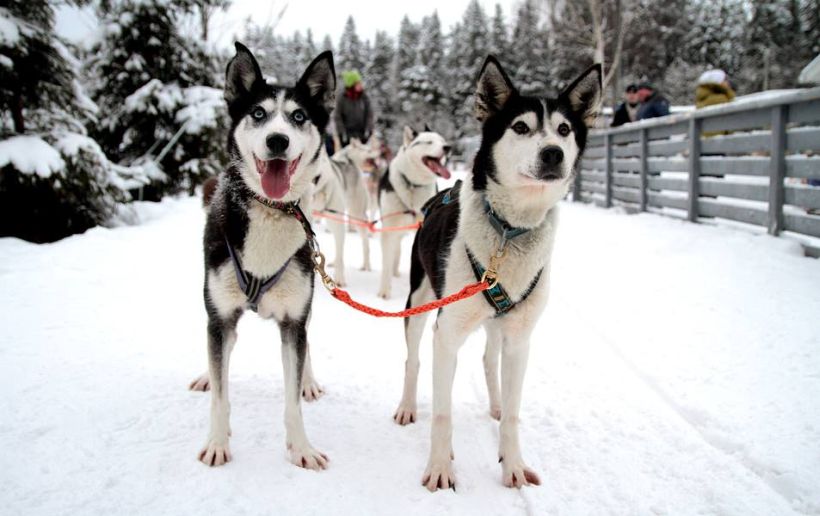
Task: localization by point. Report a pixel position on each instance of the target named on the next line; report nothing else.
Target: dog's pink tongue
(275, 178)
(437, 167)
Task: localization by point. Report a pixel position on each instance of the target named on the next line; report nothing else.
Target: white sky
(323, 17)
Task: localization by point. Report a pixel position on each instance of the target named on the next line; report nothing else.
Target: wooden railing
(743, 161)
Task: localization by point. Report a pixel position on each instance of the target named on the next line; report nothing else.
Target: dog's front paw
(307, 457)
(439, 475)
(215, 453)
(495, 413)
(384, 293)
(405, 414)
(517, 474)
(311, 391)
(366, 268)
(201, 383)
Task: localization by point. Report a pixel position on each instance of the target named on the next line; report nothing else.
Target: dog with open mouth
(257, 240)
(498, 225)
(409, 182)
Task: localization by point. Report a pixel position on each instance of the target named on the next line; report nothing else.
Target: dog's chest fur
(272, 238)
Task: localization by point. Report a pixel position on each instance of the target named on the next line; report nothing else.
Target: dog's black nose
(277, 143)
(552, 156)
(447, 149)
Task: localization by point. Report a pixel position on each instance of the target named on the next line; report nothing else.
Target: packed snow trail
(675, 371)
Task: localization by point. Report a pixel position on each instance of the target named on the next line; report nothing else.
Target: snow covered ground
(676, 371)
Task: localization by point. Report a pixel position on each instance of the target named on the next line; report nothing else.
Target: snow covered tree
(54, 179)
(349, 55)
(422, 93)
(378, 74)
(157, 106)
(530, 63)
(469, 47)
(772, 32)
(499, 37)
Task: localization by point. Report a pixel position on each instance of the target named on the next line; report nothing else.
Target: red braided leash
(370, 225)
(468, 291)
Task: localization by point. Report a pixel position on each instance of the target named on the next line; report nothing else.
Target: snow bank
(30, 155)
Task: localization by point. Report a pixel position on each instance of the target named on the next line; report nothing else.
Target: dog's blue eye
(298, 116)
(258, 114)
(563, 129)
(520, 128)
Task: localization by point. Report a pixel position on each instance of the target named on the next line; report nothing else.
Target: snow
(203, 108)
(9, 30)
(30, 155)
(675, 371)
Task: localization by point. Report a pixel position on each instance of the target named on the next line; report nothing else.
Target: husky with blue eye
(258, 239)
(504, 217)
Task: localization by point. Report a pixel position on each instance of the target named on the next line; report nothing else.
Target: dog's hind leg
(311, 390)
(397, 259)
(390, 248)
(294, 351)
(365, 235)
(515, 351)
(413, 330)
(221, 339)
(491, 353)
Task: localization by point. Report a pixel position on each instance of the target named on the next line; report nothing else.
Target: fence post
(694, 168)
(644, 146)
(608, 172)
(576, 190)
(777, 169)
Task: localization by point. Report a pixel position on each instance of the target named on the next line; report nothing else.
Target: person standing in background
(354, 114)
(627, 111)
(713, 88)
(653, 104)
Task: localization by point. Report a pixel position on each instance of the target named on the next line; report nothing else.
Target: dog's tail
(208, 190)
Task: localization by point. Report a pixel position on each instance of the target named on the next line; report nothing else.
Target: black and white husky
(506, 211)
(409, 182)
(257, 243)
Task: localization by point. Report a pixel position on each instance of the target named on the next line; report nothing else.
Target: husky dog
(258, 241)
(504, 217)
(349, 161)
(329, 196)
(409, 182)
(367, 157)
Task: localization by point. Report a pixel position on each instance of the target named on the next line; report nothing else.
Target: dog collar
(409, 183)
(501, 226)
(287, 207)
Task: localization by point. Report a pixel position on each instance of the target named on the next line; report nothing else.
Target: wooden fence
(745, 161)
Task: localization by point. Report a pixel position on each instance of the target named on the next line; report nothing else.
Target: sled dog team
(258, 240)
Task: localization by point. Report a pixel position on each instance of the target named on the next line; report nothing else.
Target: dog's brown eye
(563, 129)
(520, 128)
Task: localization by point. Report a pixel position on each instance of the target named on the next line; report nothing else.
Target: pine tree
(54, 179)
(422, 90)
(152, 85)
(499, 37)
(530, 63)
(349, 55)
(769, 60)
(378, 74)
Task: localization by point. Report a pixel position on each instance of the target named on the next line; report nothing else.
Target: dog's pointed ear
(319, 81)
(427, 128)
(242, 74)
(409, 134)
(585, 94)
(493, 91)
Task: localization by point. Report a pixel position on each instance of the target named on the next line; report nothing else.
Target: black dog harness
(254, 288)
(496, 296)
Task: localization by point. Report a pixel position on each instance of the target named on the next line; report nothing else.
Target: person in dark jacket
(627, 111)
(653, 104)
(354, 114)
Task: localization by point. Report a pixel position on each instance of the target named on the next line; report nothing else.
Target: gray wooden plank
(666, 147)
(665, 131)
(644, 168)
(724, 188)
(626, 151)
(626, 164)
(627, 137)
(694, 169)
(811, 251)
(593, 164)
(597, 200)
(803, 196)
(737, 143)
(667, 183)
(804, 224)
(714, 208)
(588, 175)
(630, 180)
(667, 164)
(777, 169)
(594, 152)
(803, 139)
(741, 120)
(667, 201)
(608, 177)
(806, 168)
(804, 112)
(743, 166)
(627, 194)
(591, 186)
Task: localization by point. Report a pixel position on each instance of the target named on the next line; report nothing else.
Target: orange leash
(369, 224)
(468, 291)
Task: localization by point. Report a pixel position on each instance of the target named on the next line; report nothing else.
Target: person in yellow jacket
(713, 88)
